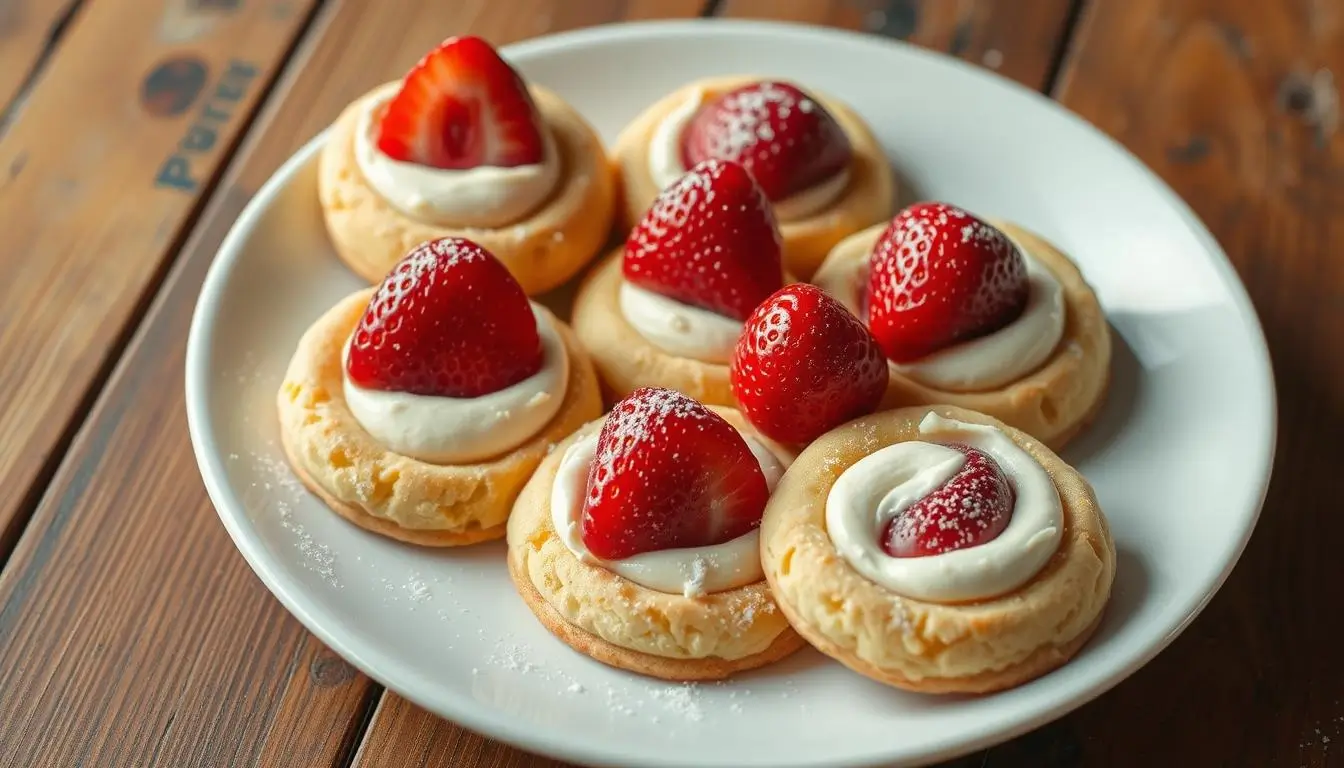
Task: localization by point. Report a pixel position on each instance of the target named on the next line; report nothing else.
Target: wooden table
(132, 133)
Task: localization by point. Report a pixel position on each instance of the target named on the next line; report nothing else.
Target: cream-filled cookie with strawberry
(938, 550)
(984, 316)
(818, 163)
(666, 309)
(636, 542)
(418, 409)
(462, 147)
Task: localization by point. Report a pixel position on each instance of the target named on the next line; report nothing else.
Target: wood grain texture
(29, 30)
(131, 631)
(1021, 40)
(1235, 104)
(102, 167)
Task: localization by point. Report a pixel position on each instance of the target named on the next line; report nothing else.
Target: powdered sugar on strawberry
(784, 138)
(962, 513)
(669, 473)
(939, 275)
(804, 365)
(971, 508)
(709, 241)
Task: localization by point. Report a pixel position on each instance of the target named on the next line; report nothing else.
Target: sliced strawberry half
(669, 474)
(449, 321)
(804, 364)
(972, 508)
(462, 106)
(709, 240)
(938, 276)
(782, 136)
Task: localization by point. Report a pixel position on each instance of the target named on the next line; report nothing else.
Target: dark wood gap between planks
(33, 495)
(1064, 47)
(8, 111)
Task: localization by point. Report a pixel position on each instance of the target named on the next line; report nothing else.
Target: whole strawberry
(448, 320)
(709, 240)
(938, 275)
(804, 365)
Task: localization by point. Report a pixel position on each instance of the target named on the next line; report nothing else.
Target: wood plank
(29, 30)
(1025, 37)
(1019, 40)
(403, 734)
(1234, 103)
(102, 166)
(176, 655)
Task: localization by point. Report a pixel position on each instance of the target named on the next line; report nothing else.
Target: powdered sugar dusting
(280, 490)
(774, 130)
(972, 507)
(938, 275)
(680, 700)
(709, 240)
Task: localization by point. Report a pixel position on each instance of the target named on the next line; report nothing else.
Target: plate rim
(466, 713)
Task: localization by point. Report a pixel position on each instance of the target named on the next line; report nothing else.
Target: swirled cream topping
(463, 430)
(485, 196)
(691, 571)
(881, 486)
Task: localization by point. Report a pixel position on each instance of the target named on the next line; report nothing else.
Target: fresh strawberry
(449, 321)
(970, 509)
(938, 276)
(804, 364)
(709, 240)
(783, 137)
(669, 474)
(461, 107)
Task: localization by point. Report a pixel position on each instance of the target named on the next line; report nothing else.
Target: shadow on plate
(1122, 399)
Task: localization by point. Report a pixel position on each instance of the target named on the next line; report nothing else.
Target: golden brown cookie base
(542, 251)
(1046, 659)
(867, 200)
(619, 622)
(1053, 403)
(970, 647)
(356, 515)
(395, 495)
(676, 670)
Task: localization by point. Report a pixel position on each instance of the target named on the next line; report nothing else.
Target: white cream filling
(691, 571)
(987, 362)
(882, 485)
(486, 196)
(665, 165)
(463, 430)
(679, 329)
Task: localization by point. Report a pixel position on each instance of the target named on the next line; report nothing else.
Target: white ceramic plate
(1180, 457)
